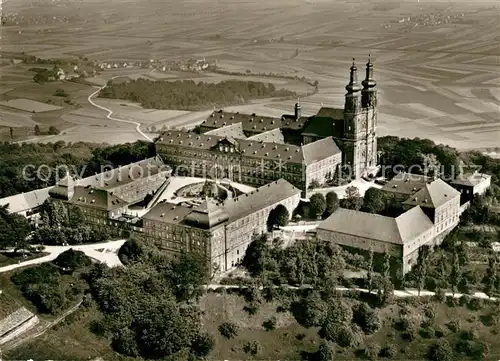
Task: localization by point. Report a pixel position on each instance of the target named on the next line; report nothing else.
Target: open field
(438, 80)
(29, 105)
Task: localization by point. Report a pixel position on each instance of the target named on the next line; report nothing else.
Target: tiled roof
(433, 195)
(168, 212)
(270, 151)
(210, 214)
(406, 183)
(380, 228)
(260, 198)
(125, 174)
(207, 215)
(96, 198)
(253, 123)
(334, 113)
(413, 223)
(25, 201)
(319, 127)
(271, 136)
(250, 122)
(471, 179)
(319, 150)
(234, 130)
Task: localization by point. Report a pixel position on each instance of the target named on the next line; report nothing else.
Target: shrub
(454, 326)
(326, 351)
(438, 331)
(440, 351)
(409, 328)
(427, 332)
(252, 347)
(470, 335)
(72, 260)
(228, 330)
(464, 300)
(300, 336)
(203, 344)
(371, 351)
(430, 312)
(439, 295)
(367, 318)
(475, 304)
(451, 301)
(389, 350)
(270, 324)
(474, 349)
(348, 337)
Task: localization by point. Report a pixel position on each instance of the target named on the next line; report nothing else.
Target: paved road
(397, 293)
(108, 256)
(110, 113)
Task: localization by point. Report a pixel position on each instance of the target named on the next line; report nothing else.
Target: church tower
(369, 104)
(353, 135)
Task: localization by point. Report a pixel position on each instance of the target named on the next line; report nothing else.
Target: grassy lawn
(72, 339)
(69, 340)
(7, 259)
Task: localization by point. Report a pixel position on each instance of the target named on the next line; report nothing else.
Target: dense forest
(26, 167)
(189, 95)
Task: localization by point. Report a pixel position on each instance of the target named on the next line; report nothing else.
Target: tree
(317, 204)
(367, 318)
(369, 274)
(352, 199)
(441, 351)
(490, 280)
(252, 347)
(37, 130)
(203, 344)
(15, 228)
(314, 184)
(373, 201)
(326, 351)
(456, 274)
(164, 328)
(53, 130)
(388, 286)
(421, 267)
(332, 202)
(278, 216)
(131, 251)
(72, 260)
(187, 275)
(228, 330)
(255, 255)
(11, 131)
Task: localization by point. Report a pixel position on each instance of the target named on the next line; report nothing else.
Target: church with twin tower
(359, 143)
(304, 150)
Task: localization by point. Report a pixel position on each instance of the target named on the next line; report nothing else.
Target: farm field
(439, 80)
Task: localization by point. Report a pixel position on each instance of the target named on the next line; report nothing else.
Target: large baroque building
(255, 149)
(432, 210)
(105, 197)
(219, 231)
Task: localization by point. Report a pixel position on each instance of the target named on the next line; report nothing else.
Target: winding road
(108, 255)
(110, 113)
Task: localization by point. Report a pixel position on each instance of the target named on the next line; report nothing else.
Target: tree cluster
(402, 154)
(43, 286)
(189, 95)
(147, 309)
(304, 263)
(29, 166)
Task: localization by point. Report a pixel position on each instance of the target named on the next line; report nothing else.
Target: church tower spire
(369, 92)
(353, 85)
